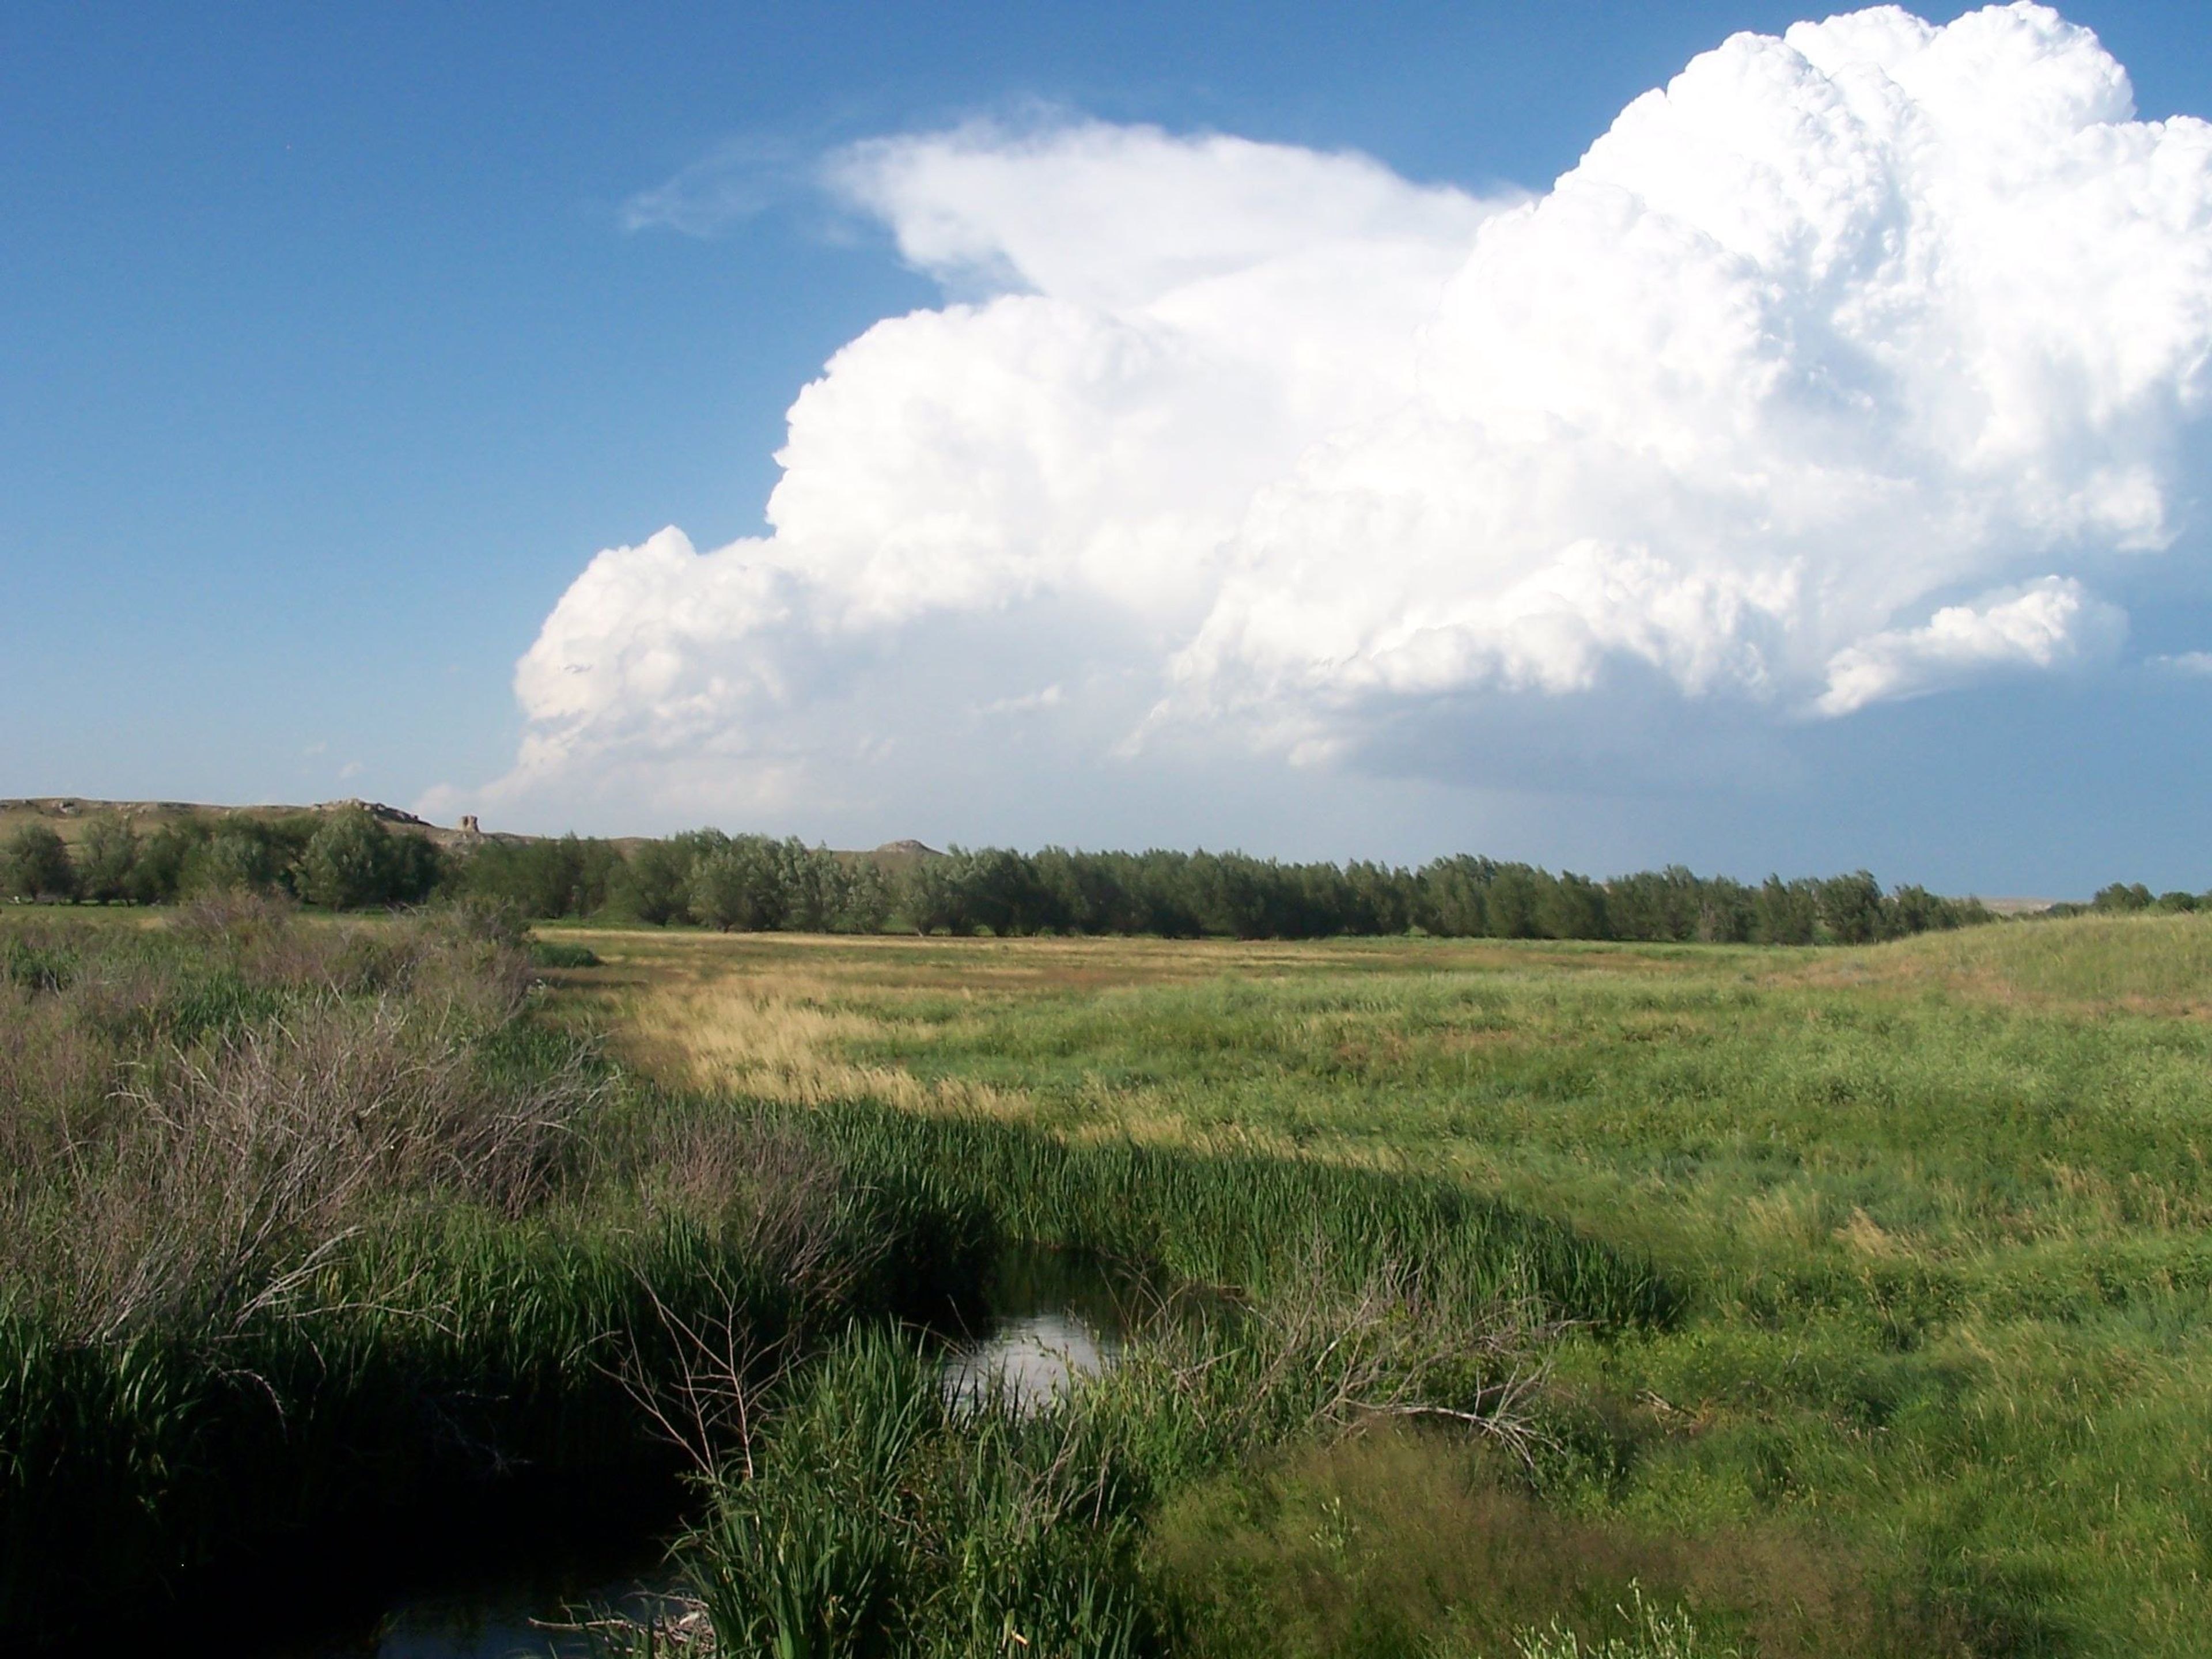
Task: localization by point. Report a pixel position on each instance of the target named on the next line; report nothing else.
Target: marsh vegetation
(1488, 1298)
(1930, 1374)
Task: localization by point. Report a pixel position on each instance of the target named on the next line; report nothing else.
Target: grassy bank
(1696, 1299)
(308, 1228)
(1933, 1376)
(320, 1235)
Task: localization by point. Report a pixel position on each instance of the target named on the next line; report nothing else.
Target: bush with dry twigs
(305, 1223)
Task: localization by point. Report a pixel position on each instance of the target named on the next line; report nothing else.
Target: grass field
(1549, 1300)
(1940, 1378)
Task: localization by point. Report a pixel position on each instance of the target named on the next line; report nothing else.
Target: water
(516, 1621)
(1049, 1319)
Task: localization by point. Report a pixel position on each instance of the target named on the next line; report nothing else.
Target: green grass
(313, 1237)
(1869, 1289)
(317, 1231)
(1928, 1221)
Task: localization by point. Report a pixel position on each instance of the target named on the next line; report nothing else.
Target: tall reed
(307, 1225)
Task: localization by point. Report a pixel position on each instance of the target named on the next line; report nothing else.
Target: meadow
(1509, 1299)
(1930, 1371)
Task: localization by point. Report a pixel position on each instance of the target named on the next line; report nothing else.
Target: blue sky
(334, 350)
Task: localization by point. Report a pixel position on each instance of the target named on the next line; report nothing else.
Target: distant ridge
(70, 815)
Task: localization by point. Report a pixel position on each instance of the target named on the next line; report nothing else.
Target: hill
(72, 816)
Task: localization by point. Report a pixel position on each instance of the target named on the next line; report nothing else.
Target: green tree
(930, 898)
(1725, 913)
(1914, 909)
(107, 862)
(34, 863)
(1785, 912)
(740, 886)
(653, 884)
(353, 862)
(814, 884)
(1511, 902)
(1573, 907)
(1852, 908)
(869, 898)
(2122, 898)
(158, 876)
(565, 878)
(1452, 896)
(239, 856)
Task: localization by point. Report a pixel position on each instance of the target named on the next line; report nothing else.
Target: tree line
(348, 858)
(2126, 897)
(343, 860)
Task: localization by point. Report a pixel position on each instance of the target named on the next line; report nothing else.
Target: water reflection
(1050, 1318)
(1030, 1360)
(522, 1621)
(1047, 1319)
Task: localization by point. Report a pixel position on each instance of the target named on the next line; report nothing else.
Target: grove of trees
(347, 859)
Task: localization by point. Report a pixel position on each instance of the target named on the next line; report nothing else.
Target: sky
(1609, 436)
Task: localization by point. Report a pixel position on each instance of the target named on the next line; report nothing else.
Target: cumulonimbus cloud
(1836, 372)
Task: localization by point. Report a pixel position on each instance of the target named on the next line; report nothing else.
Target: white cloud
(2046, 624)
(2195, 665)
(1797, 390)
(1027, 703)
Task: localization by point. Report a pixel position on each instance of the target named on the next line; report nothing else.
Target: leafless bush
(1314, 1358)
(470, 957)
(779, 1203)
(707, 1399)
(192, 1180)
(235, 920)
(781, 1199)
(232, 1176)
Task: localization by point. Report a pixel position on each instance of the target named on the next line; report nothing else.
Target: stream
(1046, 1318)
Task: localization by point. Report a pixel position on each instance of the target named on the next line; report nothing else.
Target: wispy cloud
(1027, 703)
(741, 179)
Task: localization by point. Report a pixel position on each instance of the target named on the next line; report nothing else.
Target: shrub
(353, 862)
(107, 862)
(559, 953)
(35, 864)
(240, 857)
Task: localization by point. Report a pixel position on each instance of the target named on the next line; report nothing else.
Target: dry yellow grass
(778, 1016)
(810, 1020)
